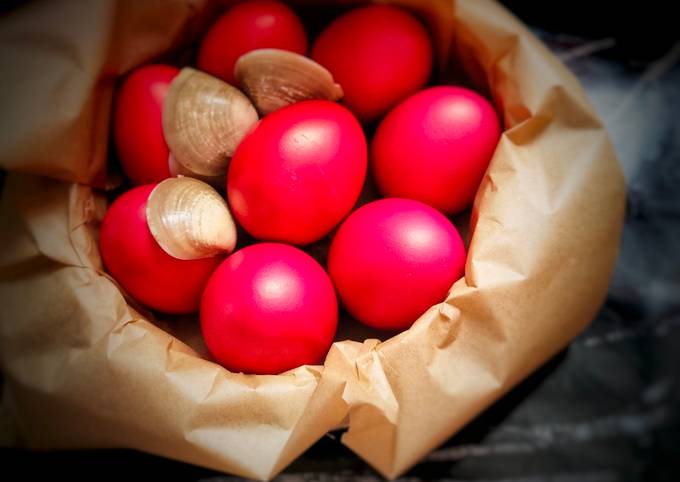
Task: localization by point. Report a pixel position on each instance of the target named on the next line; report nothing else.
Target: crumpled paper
(86, 367)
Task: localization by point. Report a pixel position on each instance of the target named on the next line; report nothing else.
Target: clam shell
(274, 78)
(189, 219)
(204, 120)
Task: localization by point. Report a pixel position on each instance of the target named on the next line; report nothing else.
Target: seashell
(189, 219)
(204, 120)
(274, 78)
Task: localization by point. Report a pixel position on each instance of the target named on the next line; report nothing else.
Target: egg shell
(136, 261)
(248, 26)
(137, 123)
(435, 147)
(269, 308)
(298, 173)
(379, 55)
(392, 259)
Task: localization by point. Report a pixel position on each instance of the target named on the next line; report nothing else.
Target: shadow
(101, 464)
(477, 430)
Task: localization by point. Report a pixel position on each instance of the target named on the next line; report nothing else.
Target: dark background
(605, 409)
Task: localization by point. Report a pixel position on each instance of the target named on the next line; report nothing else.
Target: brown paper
(83, 368)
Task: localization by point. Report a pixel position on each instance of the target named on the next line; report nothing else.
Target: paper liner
(83, 368)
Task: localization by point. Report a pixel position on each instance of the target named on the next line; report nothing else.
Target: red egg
(136, 261)
(138, 125)
(392, 259)
(378, 54)
(435, 147)
(245, 27)
(269, 308)
(298, 173)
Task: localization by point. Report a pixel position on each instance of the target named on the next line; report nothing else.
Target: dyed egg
(139, 264)
(245, 27)
(392, 259)
(268, 308)
(298, 173)
(138, 125)
(435, 147)
(379, 55)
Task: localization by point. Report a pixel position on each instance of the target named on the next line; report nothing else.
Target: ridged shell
(204, 120)
(274, 78)
(189, 219)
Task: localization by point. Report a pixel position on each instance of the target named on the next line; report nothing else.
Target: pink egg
(141, 266)
(392, 259)
(247, 26)
(380, 54)
(268, 308)
(435, 147)
(138, 124)
(298, 173)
